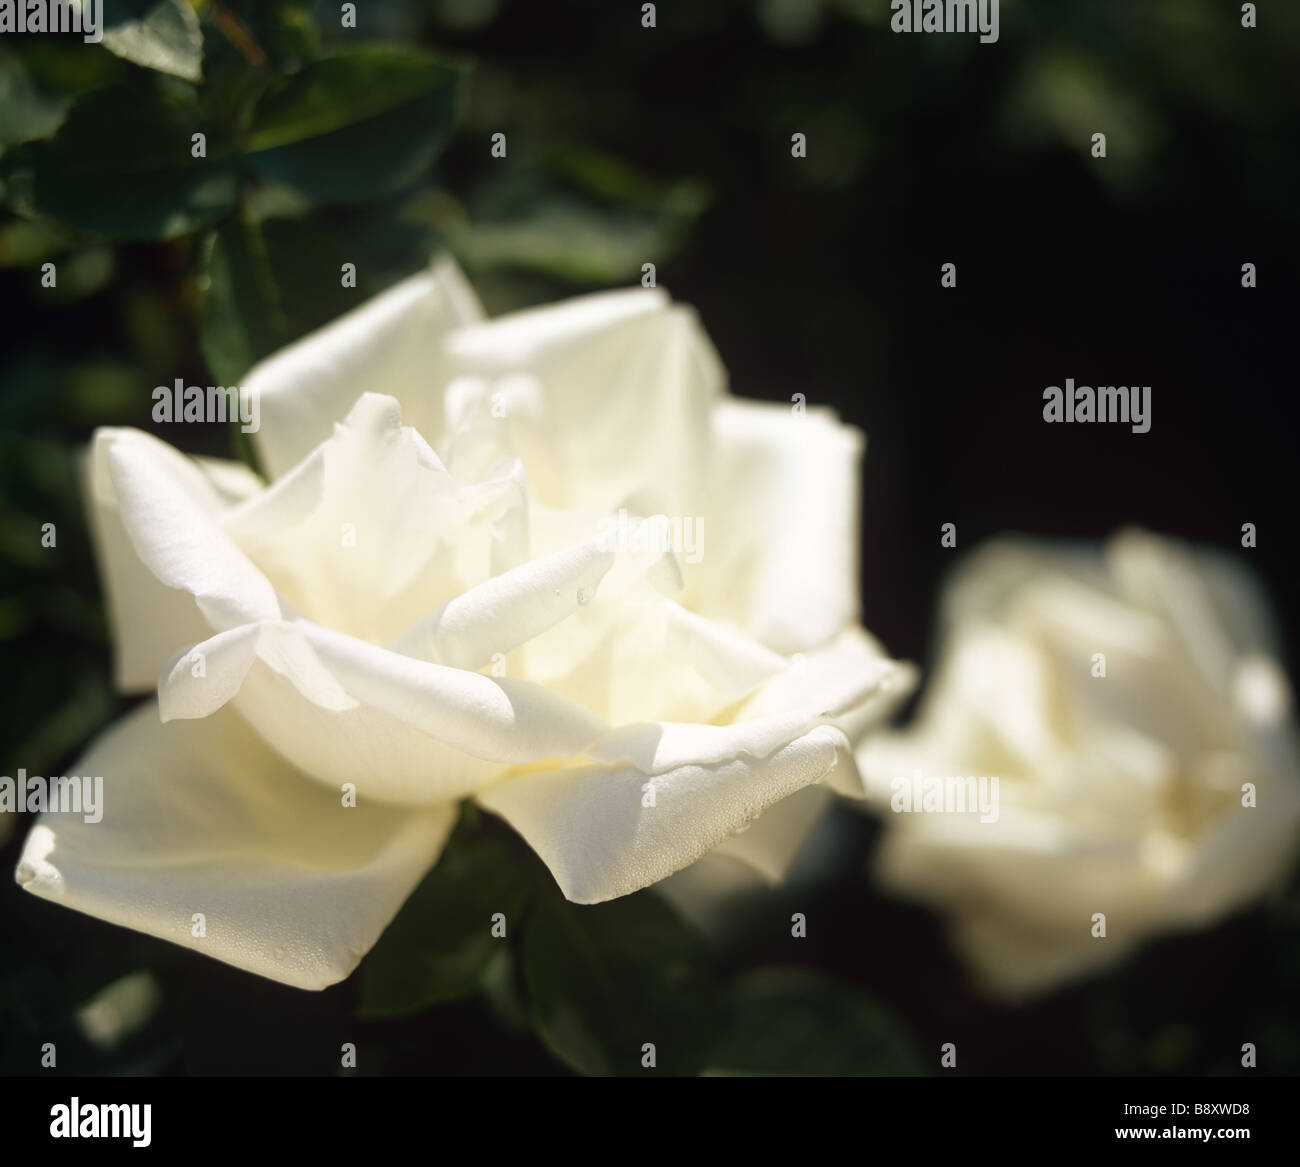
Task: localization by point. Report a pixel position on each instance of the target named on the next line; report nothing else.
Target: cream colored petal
(204, 678)
(592, 827)
(508, 610)
(1240, 858)
(201, 823)
(390, 344)
(619, 387)
(150, 620)
(834, 686)
(498, 718)
(781, 529)
(772, 843)
(370, 533)
(174, 533)
(403, 730)
(640, 656)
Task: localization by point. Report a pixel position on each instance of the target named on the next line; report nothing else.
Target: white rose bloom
(441, 594)
(1127, 794)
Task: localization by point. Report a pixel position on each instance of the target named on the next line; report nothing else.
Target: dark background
(819, 276)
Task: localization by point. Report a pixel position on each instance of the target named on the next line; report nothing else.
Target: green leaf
(356, 126)
(604, 980)
(121, 165)
(40, 79)
(795, 1021)
(241, 311)
(26, 111)
(307, 257)
(439, 945)
(158, 34)
(270, 282)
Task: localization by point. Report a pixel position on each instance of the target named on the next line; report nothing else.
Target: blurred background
(671, 145)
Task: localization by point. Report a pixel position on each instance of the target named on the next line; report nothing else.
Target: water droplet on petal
(25, 873)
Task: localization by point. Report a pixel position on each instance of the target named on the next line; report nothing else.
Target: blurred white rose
(430, 600)
(1119, 794)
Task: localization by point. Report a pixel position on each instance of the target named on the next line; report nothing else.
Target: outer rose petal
(747, 863)
(781, 554)
(174, 533)
(772, 844)
(391, 344)
(579, 820)
(845, 686)
(150, 620)
(590, 828)
(404, 730)
(200, 817)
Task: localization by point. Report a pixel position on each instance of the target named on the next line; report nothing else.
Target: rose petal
(773, 841)
(199, 817)
(153, 512)
(836, 686)
(390, 344)
(176, 537)
(781, 531)
(590, 827)
(497, 718)
(758, 858)
(204, 678)
(150, 621)
(370, 532)
(595, 361)
(403, 730)
(507, 610)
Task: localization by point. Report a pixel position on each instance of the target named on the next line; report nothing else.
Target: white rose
(1125, 794)
(443, 593)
